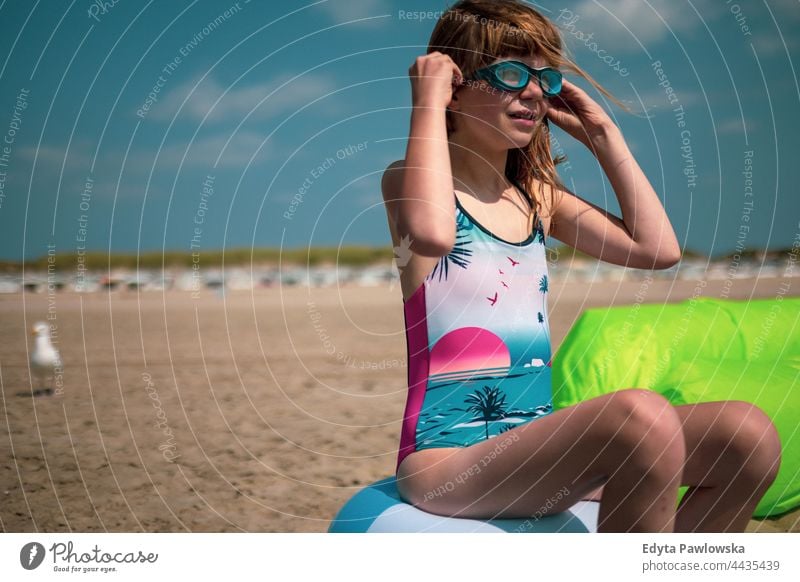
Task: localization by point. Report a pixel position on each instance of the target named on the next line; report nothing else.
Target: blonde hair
(476, 32)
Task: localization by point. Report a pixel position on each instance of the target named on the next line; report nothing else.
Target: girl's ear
(454, 105)
(454, 99)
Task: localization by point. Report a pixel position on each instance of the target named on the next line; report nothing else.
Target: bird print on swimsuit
(478, 340)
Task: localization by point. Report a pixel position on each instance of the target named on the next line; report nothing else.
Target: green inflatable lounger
(700, 350)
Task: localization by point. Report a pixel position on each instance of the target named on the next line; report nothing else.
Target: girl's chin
(528, 130)
(522, 130)
(520, 139)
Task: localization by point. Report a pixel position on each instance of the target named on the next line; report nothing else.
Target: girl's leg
(629, 439)
(733, 455)
(735, 452)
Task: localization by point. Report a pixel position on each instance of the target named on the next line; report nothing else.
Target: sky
(140, 126)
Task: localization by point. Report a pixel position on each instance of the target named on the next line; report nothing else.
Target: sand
(258, 411)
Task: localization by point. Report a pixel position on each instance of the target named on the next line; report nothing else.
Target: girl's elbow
(666, 258)
(429, 241)
(428, 245)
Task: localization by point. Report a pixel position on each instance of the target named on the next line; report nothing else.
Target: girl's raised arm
(643, 238)
(419, 192)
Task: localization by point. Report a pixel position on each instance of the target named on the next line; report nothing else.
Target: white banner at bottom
(268, 556)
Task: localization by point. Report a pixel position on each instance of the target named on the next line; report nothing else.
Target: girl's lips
(523, 122)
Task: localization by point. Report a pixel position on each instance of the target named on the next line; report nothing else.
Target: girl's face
(485, 112)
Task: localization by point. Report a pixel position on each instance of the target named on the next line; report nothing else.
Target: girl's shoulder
(392, 179)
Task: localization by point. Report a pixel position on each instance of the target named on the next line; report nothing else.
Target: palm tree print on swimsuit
(489, 405)
(543, 288)
(539, 231)
(458, 414)
(460, 253)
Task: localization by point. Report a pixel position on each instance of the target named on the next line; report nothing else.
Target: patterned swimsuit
(478, 341)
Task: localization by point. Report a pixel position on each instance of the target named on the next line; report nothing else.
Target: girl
(473, 203)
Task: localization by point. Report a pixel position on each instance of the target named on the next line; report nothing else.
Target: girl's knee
(646, 414)
(752, 437)
(648, 430)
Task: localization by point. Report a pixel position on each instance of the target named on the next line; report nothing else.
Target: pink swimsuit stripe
(418, 361)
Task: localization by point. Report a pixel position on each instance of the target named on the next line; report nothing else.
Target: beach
(245, 411)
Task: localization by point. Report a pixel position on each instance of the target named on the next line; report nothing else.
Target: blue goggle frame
(549, 78)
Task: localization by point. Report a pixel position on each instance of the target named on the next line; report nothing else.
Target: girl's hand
(434, 79)
(578, 114)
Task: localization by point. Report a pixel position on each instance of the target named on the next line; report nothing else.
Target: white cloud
(785, 9)
(655, 100)
(127, 189)
(52, 156)
(205, 151)
(734, 125)
(346, 10)
(202, 153)
(770, 44)
(617, 25)
(240, 100)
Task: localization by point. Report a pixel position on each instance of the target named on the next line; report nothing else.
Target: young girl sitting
(473, 202)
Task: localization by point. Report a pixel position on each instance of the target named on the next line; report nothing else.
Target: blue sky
(252, 137)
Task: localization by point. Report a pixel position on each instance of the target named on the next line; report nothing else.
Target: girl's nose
(532, 90)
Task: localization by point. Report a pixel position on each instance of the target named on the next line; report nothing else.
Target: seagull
(493, 300)
(513, 262)
(45, 360)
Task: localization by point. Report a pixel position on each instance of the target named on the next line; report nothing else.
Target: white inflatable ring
(378, 508)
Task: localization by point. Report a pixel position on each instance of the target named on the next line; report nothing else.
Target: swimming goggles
(514, 76)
